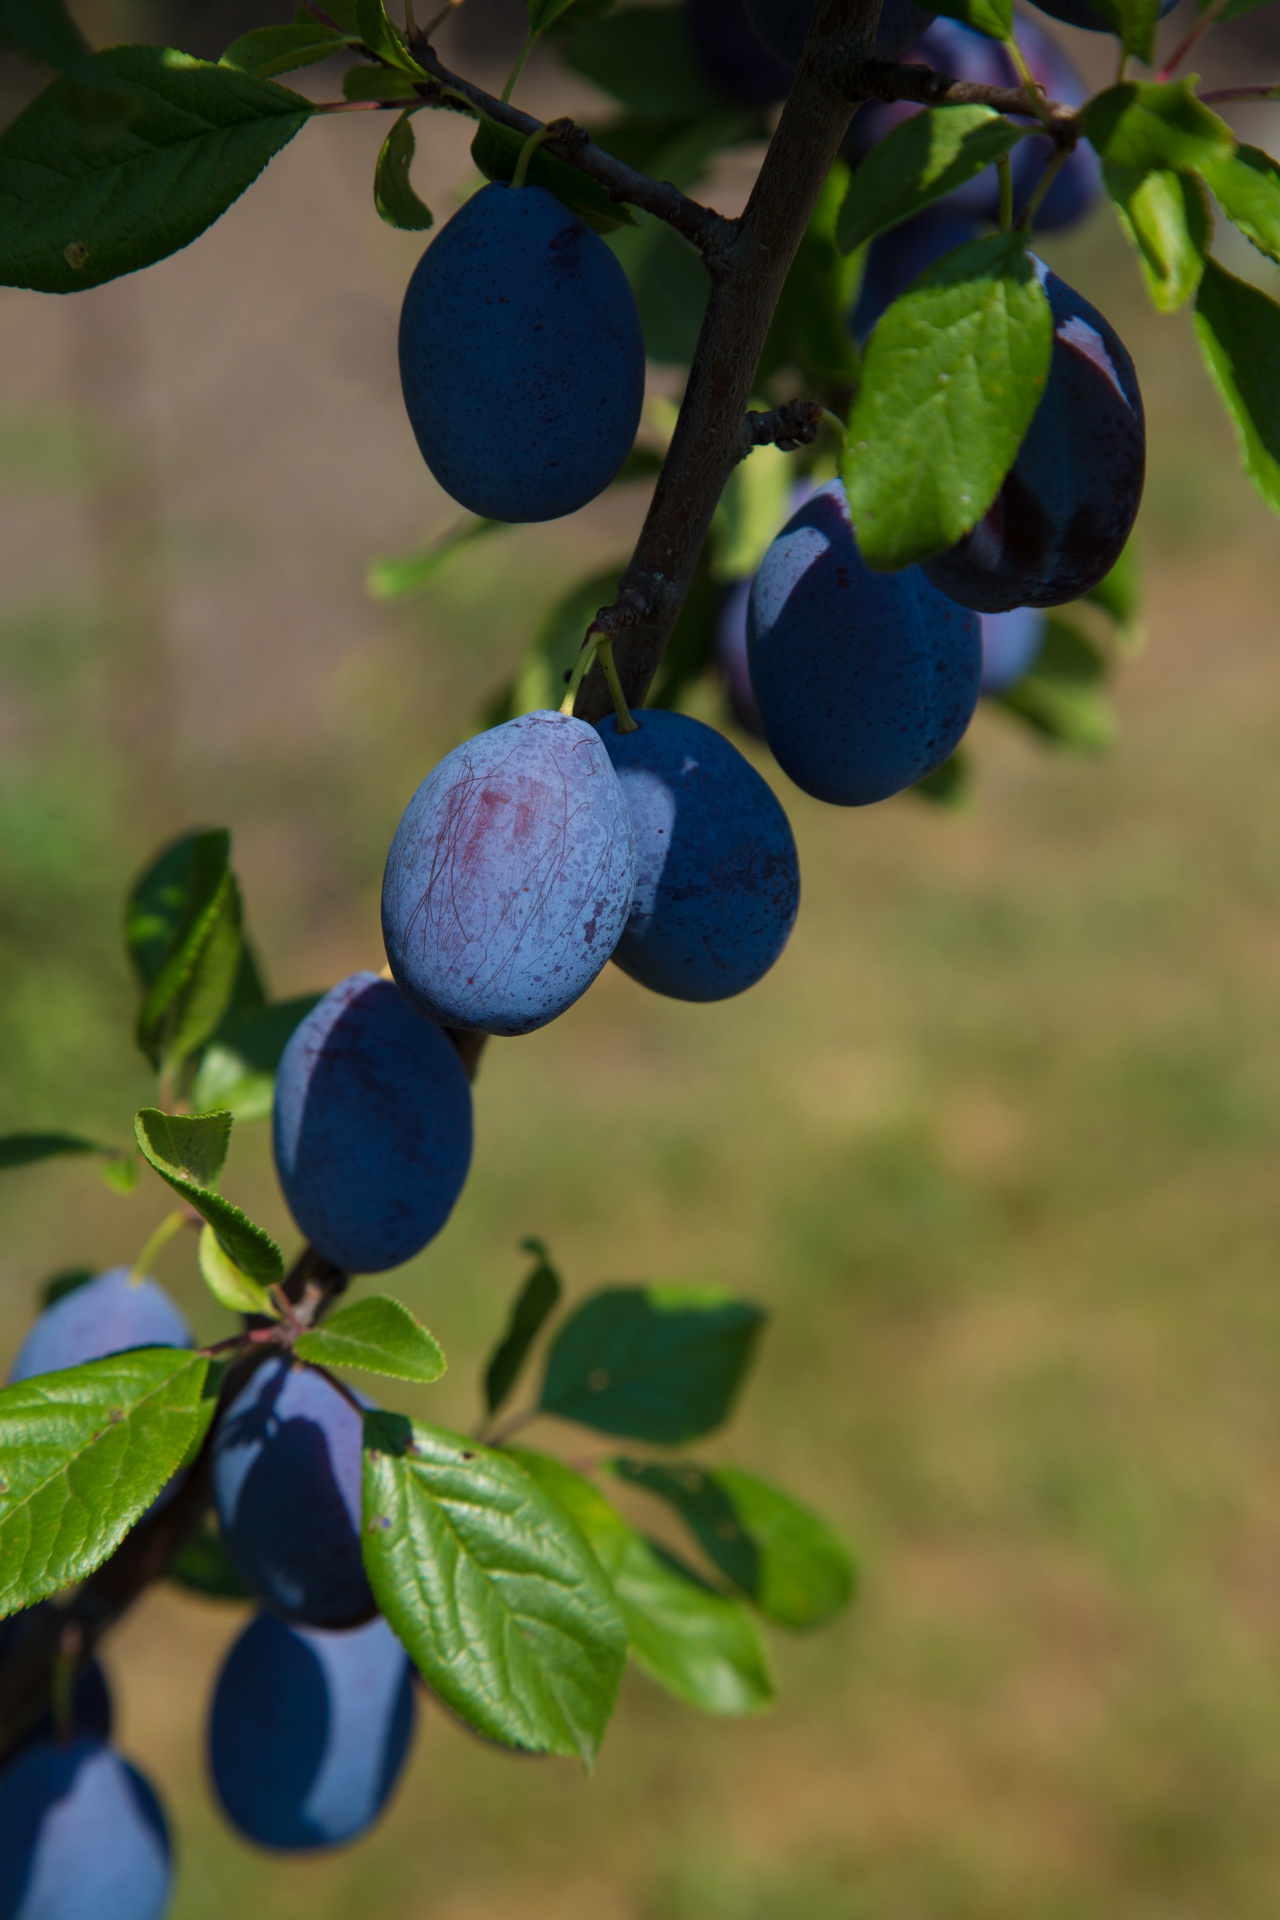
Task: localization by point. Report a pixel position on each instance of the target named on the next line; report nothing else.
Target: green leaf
(952, 376)
(492, 1589)
(378, 83)
(1138, 20)
(691, 648)
(700, 1645)
(237, 1071)
(67, 1280)
(1238, 328)
(545, 13)
(393, 193)
(341, 12)
(188, 1153)
(534, 1304)
(121, 1175)
(395, 579)
(1150, 125)
(644, 57)
(787, 1560)
(539, 681)
(1064, 696)
(41, 30)
(381, 38)
(378, 1335)
(1233, 9)
(1166, 217)
(1119, 593)
(128, 159)
(925, 157)
(228, 1284)
(992, 17)
(653, 1363)
(25, 1149)
(83, 1453)
(495, 151)
(750, 510)
(271, 50)
(950, 785)
(810, 327)
(202, 1565)
(183, 930)
(1246, 185)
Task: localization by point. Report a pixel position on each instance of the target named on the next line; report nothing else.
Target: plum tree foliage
(903, 444)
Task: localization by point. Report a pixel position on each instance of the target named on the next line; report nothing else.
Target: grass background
(995, 1142)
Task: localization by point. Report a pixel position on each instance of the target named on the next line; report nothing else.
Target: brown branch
(1241, 93)
(887, 80)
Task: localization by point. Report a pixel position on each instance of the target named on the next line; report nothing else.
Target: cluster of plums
(313, 1710)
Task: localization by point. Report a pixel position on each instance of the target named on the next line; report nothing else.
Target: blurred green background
(996, 1141)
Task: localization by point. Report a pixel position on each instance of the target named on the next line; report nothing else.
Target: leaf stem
(1207, 19)
(172, 1224)
(1005, 173)
(518, 68)
(1057, 160)
(527, 152)
(604, 653)
(1030, 85)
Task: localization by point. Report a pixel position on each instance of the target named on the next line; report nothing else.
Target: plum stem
(609, 667)
(1056, 162)
(1207, 19)
(172, 1224)
(518, 68)
(1030, 85)
(527, 151)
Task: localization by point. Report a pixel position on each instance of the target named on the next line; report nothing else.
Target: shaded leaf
(534, 1304)
(490, 1586)
(393, 579)
(183, 930)
(378, 83)
(121, 1174)
(1238, 328)
(925, 157)
(991, 17)
(495, 151)
(540, 679)
(41, 30)
(691, 649)
(381, 37)
(127, 159)
(699, 1645)
(1151, 125)
(1246, 185)
(271, 50)
(951, 378)
(378, 1335)
(1064, 696)
(25, 1149)
(780, 1553)
(237, 1071)
(1166, 217)
(231, 1287)
(188, 1154)
(950, 785)
(67, 1280)
(751, 509)
(1119, 593)
(393, 193)
(810, 326)
(83, 1453)
(653, 1363)
(202, 1565)
(644, 57)
(170, 894)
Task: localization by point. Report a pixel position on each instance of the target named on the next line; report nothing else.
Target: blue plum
(372, 1126)
(309, 1730)
(897, 258)
(1069, 502)
(731, 56)
(717, 877)
(865, 681)
(948, 47)
(91, 1710)
(82, 1836)
(286, 1485)
(510, 877)
(521, 357)
(1010, 643)
(731, 657)
(1078, 13)
(108, 1314)
(783, 24)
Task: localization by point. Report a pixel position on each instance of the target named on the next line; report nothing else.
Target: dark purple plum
(1070, 500)
(731, 56)
(286, 1485)
(309, 1731)
(372, 1126)
(717, 877)
(510, 877)
(1010, 644)
(897, 258)
(82, 1836)
(108, 1314)
(1078, 13)
(731, 657)
(521, 357)
(948, 47)
(783, 24)
(866, 681)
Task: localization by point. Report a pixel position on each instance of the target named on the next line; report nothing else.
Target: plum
(731, 657)
(510, 876)
(896, 258)
(521, 357)
(717, 877)
(91, 1710)
(1010, 644)
(1069, 502)
(286, 1485)
(783, 24)
(372, 1126)
(81, 1835)
(865, 681)
(108, 1314)
(731, 56)
(948, 47)
(309, 1730)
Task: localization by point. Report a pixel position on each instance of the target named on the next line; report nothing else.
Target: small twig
(1207, 19)
(888, 80)
(499, 1435)
(1222, 94)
